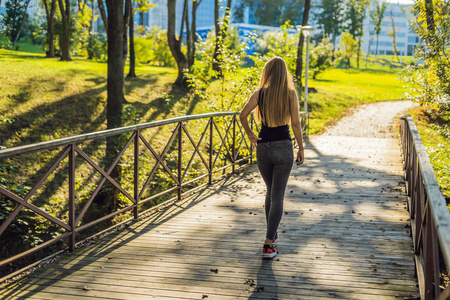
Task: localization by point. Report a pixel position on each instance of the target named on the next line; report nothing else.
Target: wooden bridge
(345, 234)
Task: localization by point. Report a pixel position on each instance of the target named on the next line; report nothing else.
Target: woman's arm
(251, 104)
(296, 127)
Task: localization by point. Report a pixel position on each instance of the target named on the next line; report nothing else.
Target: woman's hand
(254, 139)
(300, 157)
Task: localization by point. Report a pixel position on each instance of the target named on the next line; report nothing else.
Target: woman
(276, 105)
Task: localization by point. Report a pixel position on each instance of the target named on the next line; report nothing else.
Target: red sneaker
(269, 251)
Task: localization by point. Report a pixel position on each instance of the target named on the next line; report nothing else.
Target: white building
(398, 17)
(158, 15)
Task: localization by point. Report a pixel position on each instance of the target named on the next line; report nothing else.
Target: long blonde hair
(277, 84)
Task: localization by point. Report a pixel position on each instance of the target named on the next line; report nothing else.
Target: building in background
(398, 16)
(158, 16)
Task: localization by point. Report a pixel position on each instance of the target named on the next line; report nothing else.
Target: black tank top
(271, 134)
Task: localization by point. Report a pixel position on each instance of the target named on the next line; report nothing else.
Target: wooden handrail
(430, 218)
(230, 142)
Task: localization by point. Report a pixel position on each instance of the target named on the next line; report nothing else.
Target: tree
(301, 39)
(14, 18)
(221, 27)
(356, 13)
(175, 44)
(377, 18)
(50, 9)
(191, 37)
(321, 57)
(65, 8)
(142, 6)
(348, 47)
(392, 34)
(101, 8)
(429, 81)
(330, 15)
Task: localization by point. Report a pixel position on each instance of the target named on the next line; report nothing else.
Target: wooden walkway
(344, 235)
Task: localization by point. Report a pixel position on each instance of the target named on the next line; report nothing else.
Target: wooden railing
(430, 218)
(226, 140)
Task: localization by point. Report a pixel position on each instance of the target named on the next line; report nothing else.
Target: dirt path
(376, 120)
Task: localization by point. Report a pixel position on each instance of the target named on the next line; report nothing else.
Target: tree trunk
(358, 51)
(132, 72)
(64, 7)
(101, 8)
(90, 47)
(191, 38)
(51, 29)
(215, 62)
(221, 31)
(126, 22)
(175, 44)
(377, 47)
(115, 96)
(21, 24)
(299, 67)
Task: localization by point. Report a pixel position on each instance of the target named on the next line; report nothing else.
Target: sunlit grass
(338, 90)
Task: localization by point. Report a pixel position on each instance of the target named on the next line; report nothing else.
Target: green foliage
(320, 58)
(153, 49)
(13, 16)
(5, 42)
(236, 83)
(377, 15)
(348, 47)
(430, 79)
(330, 15)
(280, 43)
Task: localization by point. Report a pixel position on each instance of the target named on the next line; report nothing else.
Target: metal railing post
(136, 174)
(180, 153)
(251, 145)
(233, 159)
(72, 224)
(210, 149)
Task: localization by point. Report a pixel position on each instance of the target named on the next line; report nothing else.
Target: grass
(339, 90)
(30, 48)
(437, 141)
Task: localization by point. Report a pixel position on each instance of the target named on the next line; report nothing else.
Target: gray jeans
(275, 160)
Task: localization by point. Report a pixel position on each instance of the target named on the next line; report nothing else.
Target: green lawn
(338, 90)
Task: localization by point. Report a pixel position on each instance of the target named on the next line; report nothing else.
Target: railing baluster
(136, 175)
(233, 159)
(72, 197)
(180, 153)
(210, 150)
(252, 120)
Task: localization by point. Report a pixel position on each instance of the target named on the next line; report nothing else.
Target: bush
(320, 58)
(153, 48)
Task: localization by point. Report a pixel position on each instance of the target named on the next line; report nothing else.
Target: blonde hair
(277, 84)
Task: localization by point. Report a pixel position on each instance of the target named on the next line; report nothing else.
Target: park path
(344, 235)
(378, 120)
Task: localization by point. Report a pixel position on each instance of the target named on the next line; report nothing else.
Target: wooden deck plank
(344, 235)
